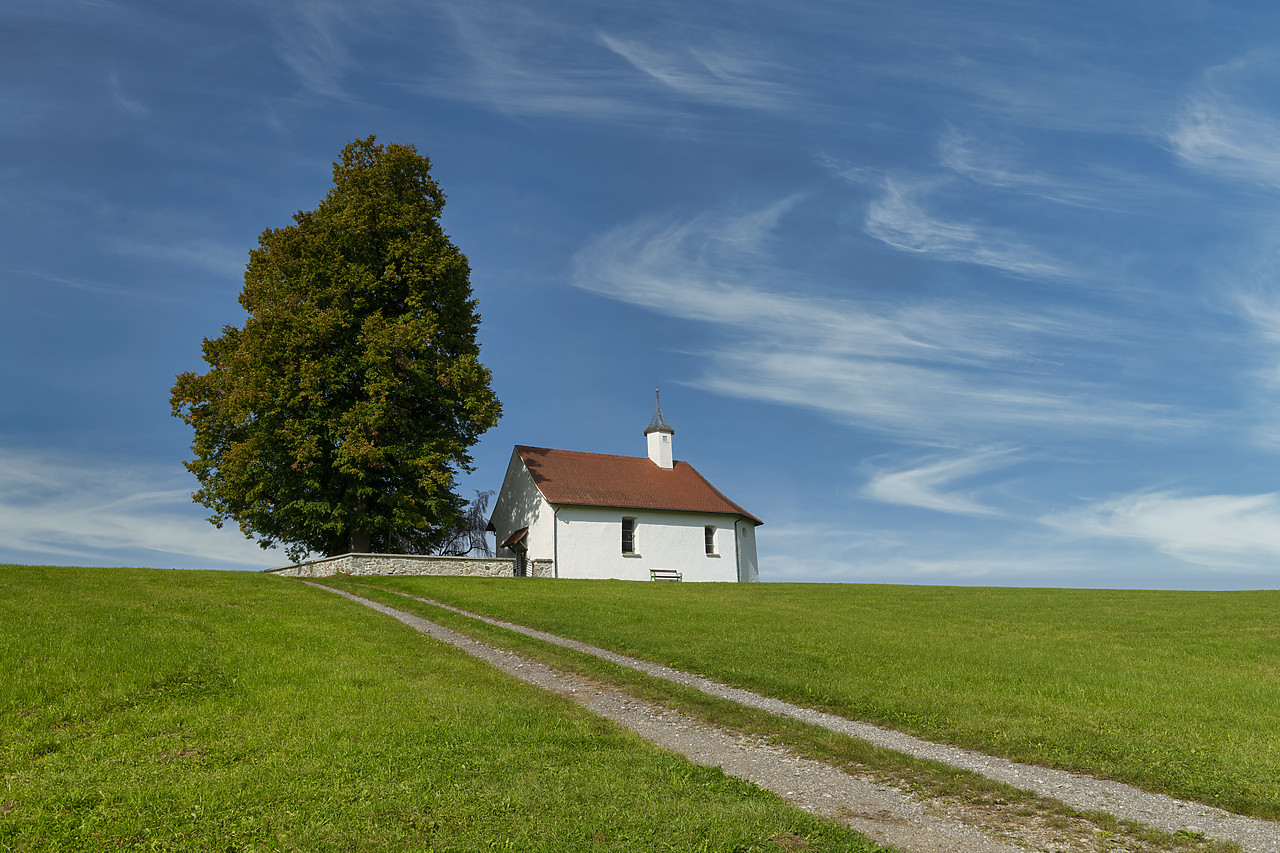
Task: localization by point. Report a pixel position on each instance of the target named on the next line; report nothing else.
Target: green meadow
(163, 710)
(1175, 692)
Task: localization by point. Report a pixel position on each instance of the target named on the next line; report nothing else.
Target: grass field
(1176, 692)
(145, 709)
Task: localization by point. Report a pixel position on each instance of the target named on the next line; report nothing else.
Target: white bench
(665, 575)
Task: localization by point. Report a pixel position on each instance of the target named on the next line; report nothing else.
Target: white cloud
(183, 235)
(927, 485)
(1258, 306)
(726, 76)
(999, 165)
(1073, 96)
(1228, 124)
(63, 509)
(519, 61)
(125, 102)
(1230, 532)
(1264, 315)
(996, 558)
(312, 42)
(1221, 137)
(930, 370)
(215, 257)
(899, 220)
(83, 285)
(962, 154)
(933, 403)
(1020, 69)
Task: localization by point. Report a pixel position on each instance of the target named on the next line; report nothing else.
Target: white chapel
(593, 515)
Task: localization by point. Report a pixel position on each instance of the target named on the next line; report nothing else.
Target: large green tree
(336, 418)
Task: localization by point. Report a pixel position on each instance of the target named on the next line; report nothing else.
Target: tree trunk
(359, 542)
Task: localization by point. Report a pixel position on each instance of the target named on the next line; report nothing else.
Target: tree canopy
(336, 418)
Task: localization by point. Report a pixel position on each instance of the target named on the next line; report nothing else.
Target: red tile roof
(626, 482)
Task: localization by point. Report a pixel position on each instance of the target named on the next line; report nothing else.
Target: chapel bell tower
(659, 434)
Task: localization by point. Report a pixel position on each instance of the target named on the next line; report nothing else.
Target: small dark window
(710, 536)
(628, 535)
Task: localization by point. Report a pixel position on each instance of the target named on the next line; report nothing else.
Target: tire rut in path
(885, 814)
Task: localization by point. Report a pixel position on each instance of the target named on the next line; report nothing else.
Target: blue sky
(964, 293)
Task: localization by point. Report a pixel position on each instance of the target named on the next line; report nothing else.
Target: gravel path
(887, 814)
(1083, 792)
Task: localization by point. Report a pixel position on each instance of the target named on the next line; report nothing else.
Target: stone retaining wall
(409, 564)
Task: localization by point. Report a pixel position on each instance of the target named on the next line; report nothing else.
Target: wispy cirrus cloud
(899, 219)
(312, 41)
(118, 233)
(211, 255)
(932, 402)
(999, 165)
(123, 100)
(187, 237)
(83, 285)
(932, 484)
(1072, 95)
(926, 370)
(953, 558)
(520, 60)
(728, 75)
(1228, 124)
(1257, 304)
(1030, 70)
(1229, 532)
(962, 154)
(59, 507)
(1263, 315)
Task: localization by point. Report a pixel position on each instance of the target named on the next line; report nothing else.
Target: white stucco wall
(659, 444)
(520, 504)
(589, 544)
(748, 564)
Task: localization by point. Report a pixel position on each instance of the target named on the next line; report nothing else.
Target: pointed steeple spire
(658, 436)
(658, 423)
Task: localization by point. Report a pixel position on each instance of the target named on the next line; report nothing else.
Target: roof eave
(738, 514)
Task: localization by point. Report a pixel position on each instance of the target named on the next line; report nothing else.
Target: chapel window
(628, 535)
